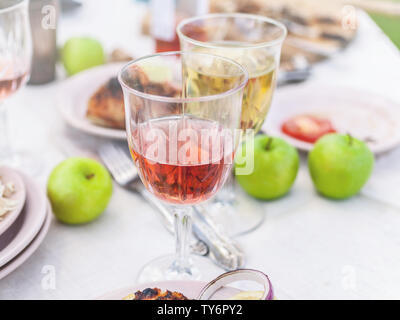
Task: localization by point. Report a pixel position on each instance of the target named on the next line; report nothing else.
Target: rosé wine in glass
(9, 85)
(15, 66)
(182, 140)
(187, 171)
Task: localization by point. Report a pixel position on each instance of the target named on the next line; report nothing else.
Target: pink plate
(27, 225)
(191, 289)
(365, 115)
(30, 249)
(76, 92)
(10, 175)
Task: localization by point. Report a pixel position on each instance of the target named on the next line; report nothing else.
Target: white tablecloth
(311, 247)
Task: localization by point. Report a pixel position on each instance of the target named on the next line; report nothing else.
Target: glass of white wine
(255, 42)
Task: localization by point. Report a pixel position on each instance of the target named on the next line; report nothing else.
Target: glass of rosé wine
(255, 42)
(15, 65)
(182, 140)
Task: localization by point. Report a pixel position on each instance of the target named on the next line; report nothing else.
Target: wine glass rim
(14, 6)
(161, 98)
(263, 44)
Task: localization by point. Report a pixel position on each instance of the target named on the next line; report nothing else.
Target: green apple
(79, 54)
(79, 190)
(340, 165)
(275, 168)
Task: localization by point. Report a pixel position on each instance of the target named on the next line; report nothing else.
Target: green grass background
(390, 25)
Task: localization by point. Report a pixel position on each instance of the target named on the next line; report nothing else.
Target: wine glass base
(23, 161)
(161, 269)
(238, 216)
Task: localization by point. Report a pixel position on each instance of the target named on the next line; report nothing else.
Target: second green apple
(340, 165)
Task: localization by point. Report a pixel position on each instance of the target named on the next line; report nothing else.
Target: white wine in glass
(254, 42)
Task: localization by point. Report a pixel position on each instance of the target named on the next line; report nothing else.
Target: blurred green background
(389, 24)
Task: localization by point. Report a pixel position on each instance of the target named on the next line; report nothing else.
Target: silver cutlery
(126, 175)
(301, 71)
(210, 241)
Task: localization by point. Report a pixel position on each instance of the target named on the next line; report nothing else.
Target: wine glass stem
(5, 146)
(226, 195)
(183, 229)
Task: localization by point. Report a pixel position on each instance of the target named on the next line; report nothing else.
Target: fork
(223, 251)
(126, 175)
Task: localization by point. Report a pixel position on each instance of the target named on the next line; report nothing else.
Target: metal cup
(43, 18)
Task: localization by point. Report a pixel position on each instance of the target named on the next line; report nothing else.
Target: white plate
(364, 115)
(189, 288)
(75, 93)
(10, 175)
(27, 225)
(30, 249)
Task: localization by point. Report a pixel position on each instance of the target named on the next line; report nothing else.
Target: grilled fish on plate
(106, 106)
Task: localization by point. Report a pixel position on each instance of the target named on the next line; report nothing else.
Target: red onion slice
(234, 276)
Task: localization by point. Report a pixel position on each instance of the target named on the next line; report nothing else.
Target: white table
(311, 247)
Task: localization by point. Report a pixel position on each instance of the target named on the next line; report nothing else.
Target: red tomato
(307, 128)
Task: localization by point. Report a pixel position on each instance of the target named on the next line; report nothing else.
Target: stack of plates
(23, 229)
